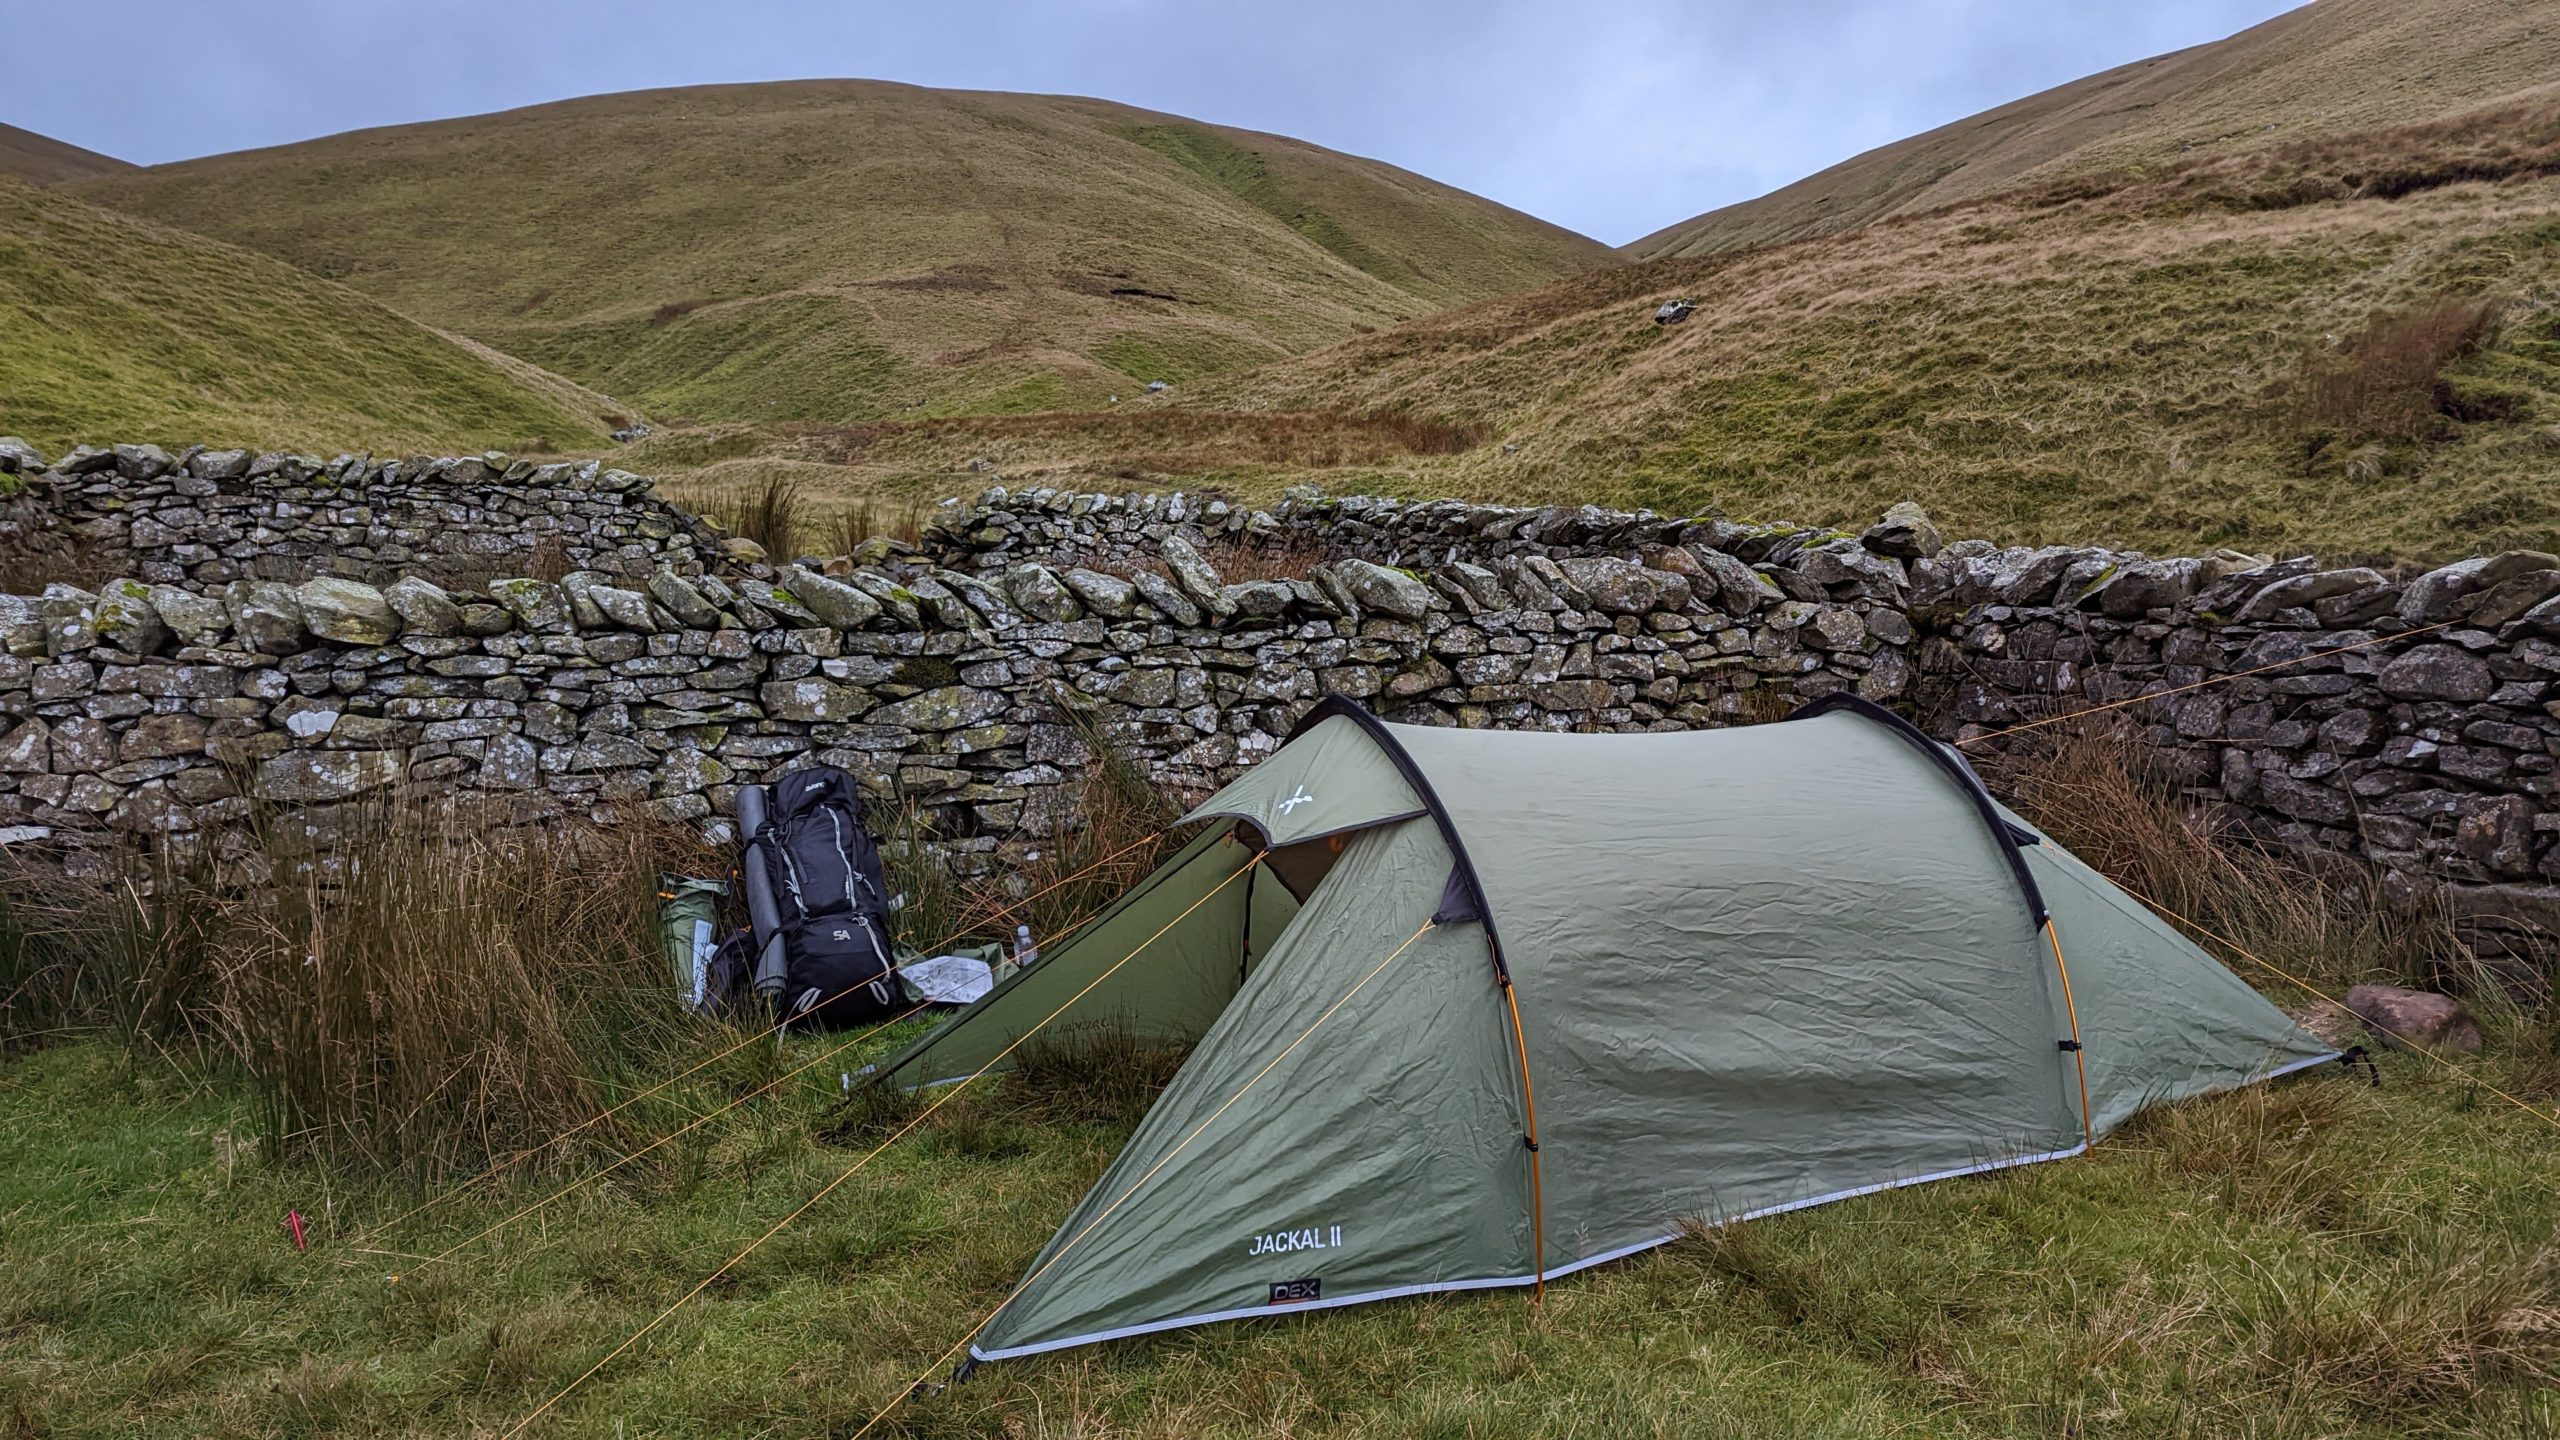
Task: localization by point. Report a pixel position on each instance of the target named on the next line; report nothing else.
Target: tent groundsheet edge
(1399, 1292)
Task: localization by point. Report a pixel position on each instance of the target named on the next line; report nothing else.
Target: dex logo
(1297, 798)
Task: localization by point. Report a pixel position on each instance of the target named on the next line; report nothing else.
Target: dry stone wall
(972, 676)
(206, 517)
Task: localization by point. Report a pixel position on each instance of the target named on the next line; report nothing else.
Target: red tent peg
(293, 1222)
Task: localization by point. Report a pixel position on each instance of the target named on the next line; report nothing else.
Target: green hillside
(849, 250)
(2336, 68)
(2279, 351)
(118, 328)
(43, 160)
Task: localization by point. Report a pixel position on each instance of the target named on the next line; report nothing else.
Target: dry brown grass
(1154, 438)
(2386, 381)
(876, 517)
(2320, 917)
(445, 994)
(766, 511)
(1239, 559)
(2277, 94)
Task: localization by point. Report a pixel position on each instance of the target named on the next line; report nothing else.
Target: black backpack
(833, 900)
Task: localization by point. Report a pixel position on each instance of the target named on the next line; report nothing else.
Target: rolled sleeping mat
(754, 802)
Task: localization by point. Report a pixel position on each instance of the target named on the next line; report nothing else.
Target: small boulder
(85, 460)
(836, 604)
(143, 462)
(1256, 598)
(1167, 597)
(685, 602)
(2307, 589)
(126, 619)
(347, 611)
(423, 607)
(538, 605)
(22, 625)
(2439, 595)
(1737, 588)
(2513, 598)
(70, 618)
(1389, 592)
(264, 616)
(18, 457)
(1107, 595)
(1041, 594)
(623, 609)
(2438, 672)
(219, 465)
(2145, 586)
(1197, 577)
(1905, 533)
(1622, 587)
(195, 619)
(2416, 1018)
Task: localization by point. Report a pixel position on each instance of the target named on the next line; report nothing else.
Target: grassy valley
(119, 328)
(845, 251)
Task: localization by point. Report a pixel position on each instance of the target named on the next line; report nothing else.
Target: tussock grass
(2387, 381)
(767, 512)
(2321, 918)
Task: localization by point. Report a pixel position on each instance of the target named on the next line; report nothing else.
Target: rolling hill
(2351, 344)
(122, 329)
(43, 160)
(2338, 67)
(851, 250)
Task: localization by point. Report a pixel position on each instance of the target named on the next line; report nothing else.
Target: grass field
(2312, 1259)
(851, 250)
(2319, 1260)
(122, 329)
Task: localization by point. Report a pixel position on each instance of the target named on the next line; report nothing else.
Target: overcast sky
(1612, 117)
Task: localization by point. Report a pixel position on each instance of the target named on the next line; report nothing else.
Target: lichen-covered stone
(347, 611)
(423, 608)
(1622, 587)
(1166, 597)
(683, 600)
(313, 776)
(1042, 595)
(537, 605)
(193, 618)
(2438, 672)
(1375, 587)
(1905, 533)
(1108, 594)
(1197, 577)
(266, 616)
(126, 619)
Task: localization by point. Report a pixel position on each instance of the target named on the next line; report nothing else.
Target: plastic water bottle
(1025, 953)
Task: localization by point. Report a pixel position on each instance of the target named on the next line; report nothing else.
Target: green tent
(1667, 980)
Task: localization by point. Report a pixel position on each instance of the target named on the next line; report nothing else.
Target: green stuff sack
(689, 922)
